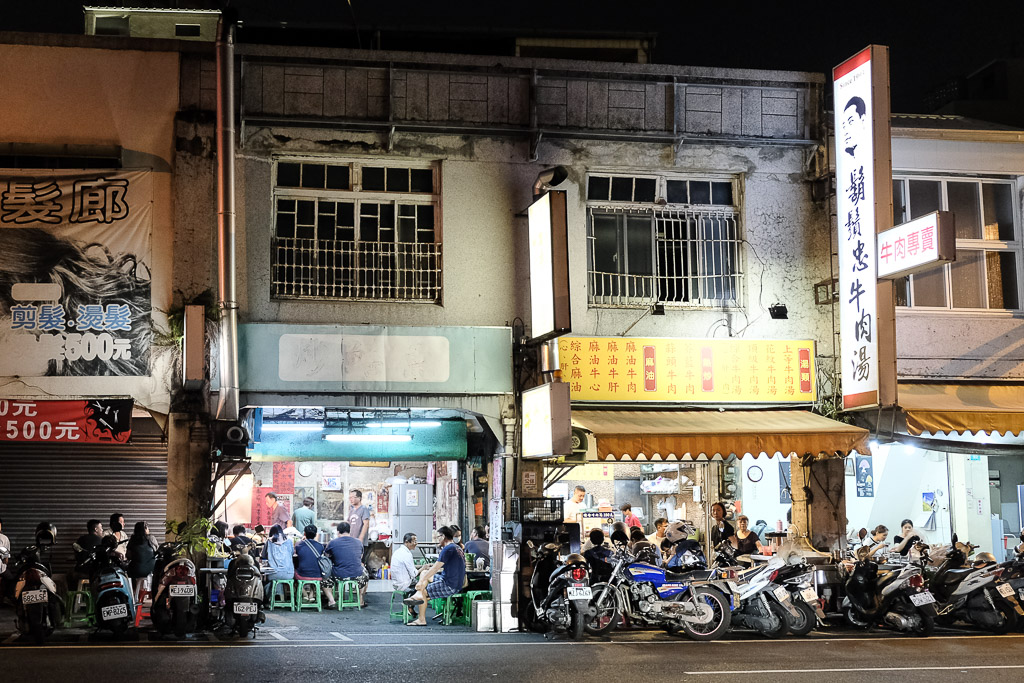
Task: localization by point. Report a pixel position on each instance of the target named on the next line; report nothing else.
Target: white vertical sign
(855, 202)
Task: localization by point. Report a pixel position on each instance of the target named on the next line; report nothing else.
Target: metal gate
(68, 485)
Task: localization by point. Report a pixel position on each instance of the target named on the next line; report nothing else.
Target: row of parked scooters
(774, 598)
(233, 601)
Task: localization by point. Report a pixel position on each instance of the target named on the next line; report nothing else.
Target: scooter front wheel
(781, 616)
(576, 623)
(805, 623)
(854, 619)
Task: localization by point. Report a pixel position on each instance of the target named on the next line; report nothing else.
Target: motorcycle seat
(698, 575)
(957, 575)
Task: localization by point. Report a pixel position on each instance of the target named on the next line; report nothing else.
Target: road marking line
(277, 635)
(886, 668)
(341, 637)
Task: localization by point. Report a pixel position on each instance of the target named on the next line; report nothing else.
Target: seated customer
(278, 553)
(598, 556)
(403, 568)
(444, 578)
(239, 540)
(346, 552)
(307, 561)
(478, 545)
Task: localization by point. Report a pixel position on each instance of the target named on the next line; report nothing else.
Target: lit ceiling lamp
(371, 438)
(293, 426)
(403, 425)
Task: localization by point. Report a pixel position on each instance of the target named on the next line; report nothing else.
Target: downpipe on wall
(228, 398)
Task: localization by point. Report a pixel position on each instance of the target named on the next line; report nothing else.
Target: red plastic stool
(143, 594)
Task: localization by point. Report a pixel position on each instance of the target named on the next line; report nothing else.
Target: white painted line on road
(861, 670)
(277, 635)
(341, 637)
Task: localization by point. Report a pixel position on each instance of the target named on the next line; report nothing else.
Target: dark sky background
(931, 42)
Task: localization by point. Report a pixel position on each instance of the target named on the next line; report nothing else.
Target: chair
(139, 613)
(348, 595)
(402, 612)
(82, 597)
(468, 598)
(300, 595)
(282, 601)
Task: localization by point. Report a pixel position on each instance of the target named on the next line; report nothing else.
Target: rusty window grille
(357, 244)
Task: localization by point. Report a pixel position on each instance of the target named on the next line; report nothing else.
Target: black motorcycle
(243, 593)
(38, 606)
(897, 598)
(559, 592)
(175, 593)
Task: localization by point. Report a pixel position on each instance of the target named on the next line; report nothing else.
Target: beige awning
(715, 435)
(960, 408)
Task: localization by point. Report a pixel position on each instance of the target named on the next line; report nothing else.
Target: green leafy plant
(195, 535)
(175, 331)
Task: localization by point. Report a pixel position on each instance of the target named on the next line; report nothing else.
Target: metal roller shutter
(68, 485)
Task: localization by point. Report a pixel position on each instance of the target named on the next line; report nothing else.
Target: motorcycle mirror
(954, 538)
(529, 544)
(862, 534)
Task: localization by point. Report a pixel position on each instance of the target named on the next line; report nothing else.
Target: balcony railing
(351, 270)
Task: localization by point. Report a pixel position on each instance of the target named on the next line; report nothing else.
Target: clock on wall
(755, 473)
(305, 469)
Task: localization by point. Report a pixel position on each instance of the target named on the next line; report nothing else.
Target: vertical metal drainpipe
(227, 399)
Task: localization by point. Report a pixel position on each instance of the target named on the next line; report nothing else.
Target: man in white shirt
(572, 506)
(655, 539)
(403, 569)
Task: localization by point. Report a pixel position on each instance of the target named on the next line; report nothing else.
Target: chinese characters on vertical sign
(76, 293)
(855, 203)
(688, 370)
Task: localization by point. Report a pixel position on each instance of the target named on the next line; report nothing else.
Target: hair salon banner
(75, 273)
(94, 421)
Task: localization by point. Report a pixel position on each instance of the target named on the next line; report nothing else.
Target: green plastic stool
(73, 617)
(301, 602)
(451, 610)
(402, 611)
(348, 595)
(282, 602)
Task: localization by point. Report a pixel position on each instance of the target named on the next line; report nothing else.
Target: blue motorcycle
(648, 595)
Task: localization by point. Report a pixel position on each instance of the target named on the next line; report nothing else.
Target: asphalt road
(287, 653)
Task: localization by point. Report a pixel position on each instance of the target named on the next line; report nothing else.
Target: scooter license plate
(1020, 593)
(245, 608)
(580, 592)
(781, 594)
(809, 595)
(34, 597)
(182, 591)
(924, 598)
(1005, 589)
(109, 612)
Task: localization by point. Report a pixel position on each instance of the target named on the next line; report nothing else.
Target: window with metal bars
(655, 250)
(352, 232)
(986, 273)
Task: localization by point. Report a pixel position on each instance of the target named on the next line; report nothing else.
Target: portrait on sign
(75, 285)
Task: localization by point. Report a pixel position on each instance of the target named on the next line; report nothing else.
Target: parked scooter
(175, 594)
(559, 592)
(38, 607)
(111, 589)
(897, 599)
(647, 594)
(974, 595)
(760, 601)
(243, 593)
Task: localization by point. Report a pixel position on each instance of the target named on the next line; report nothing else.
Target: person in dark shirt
(346, 552)
(443, 579)
(307, 560)
(86, 544)
(240, 540)
(141, 552)
(598, 556)
(478, 545)
(721, 530)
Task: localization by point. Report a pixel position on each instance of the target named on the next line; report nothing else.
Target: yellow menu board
(688, 370)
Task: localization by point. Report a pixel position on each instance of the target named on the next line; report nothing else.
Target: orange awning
(715, 435)
(960, 408)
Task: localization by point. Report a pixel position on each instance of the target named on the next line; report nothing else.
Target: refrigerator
(412, 511)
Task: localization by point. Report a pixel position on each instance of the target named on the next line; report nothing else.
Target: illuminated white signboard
(916, 245)
(547, 426)
(859, 131)
(549, 267)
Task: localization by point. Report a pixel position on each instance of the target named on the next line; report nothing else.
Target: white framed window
(356, 230)
(662, 238)
(986, 273)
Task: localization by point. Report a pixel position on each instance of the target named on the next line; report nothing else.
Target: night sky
(931, 42)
